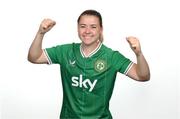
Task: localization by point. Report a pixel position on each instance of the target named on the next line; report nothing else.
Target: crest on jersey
(100, 65)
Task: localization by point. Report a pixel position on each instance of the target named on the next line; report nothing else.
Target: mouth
(87, 37)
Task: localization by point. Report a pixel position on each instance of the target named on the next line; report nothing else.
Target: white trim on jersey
(128, 68)
(47, 56)
(93, 52)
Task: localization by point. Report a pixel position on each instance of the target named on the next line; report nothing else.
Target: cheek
(97, 33)
(80, 31)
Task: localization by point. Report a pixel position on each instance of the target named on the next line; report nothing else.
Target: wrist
(41, 32)
(139, 54)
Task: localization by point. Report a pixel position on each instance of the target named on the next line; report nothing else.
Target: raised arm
(139, 71)
(36, 54)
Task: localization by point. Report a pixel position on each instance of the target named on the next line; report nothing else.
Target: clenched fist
(46, 25)
(134, 44)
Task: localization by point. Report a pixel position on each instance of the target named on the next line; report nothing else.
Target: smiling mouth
(87, 37)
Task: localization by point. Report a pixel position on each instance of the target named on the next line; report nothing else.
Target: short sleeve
(121, 63)
(53, 54)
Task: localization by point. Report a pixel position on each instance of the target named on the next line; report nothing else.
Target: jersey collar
(92, 53)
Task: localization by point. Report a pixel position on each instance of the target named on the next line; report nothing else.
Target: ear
(101, 38)
(101, 30)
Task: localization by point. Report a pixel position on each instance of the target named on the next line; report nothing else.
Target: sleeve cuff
(47, 57)
(128, 68)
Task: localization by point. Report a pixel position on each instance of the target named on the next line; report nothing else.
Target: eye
(93, 27)
(82, 26)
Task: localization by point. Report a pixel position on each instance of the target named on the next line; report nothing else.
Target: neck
(87, 50)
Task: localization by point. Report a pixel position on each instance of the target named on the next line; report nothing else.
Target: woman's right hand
(46, 25)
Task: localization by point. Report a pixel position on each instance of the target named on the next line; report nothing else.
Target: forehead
(89, 19)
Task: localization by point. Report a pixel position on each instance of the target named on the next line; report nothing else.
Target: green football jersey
(87, 82)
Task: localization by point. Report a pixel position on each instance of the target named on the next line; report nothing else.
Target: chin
(87, 43)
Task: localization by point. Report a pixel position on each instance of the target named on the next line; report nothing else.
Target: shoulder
(109, 51)
(67, 46)
(113, 55)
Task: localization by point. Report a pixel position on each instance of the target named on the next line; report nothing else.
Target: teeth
(87, 37)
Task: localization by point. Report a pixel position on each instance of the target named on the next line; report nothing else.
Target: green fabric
(87, 82)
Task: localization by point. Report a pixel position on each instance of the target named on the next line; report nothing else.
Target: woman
(88, 69)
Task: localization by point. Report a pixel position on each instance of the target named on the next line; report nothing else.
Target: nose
(87, 30)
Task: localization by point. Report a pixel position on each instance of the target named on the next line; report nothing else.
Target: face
(89, 29)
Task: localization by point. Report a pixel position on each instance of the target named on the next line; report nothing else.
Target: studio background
(30, 91)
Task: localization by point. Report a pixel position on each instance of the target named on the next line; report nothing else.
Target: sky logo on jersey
(79, 82)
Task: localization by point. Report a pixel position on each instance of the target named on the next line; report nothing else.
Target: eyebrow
(86, 24)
